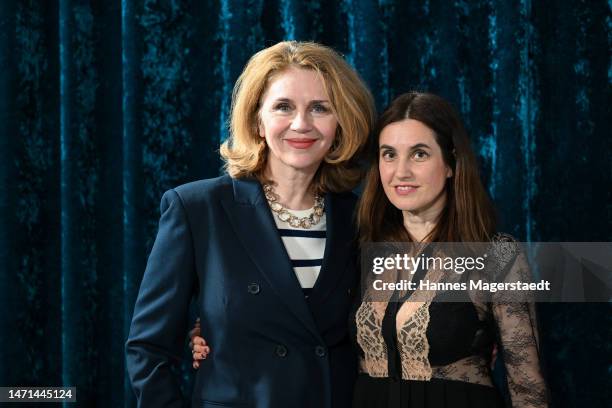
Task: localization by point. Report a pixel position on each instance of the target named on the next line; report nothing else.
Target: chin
(404, 205)
(303, 163)
(408, 208)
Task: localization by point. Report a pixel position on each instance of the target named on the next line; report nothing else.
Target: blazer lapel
(338, 246)
(252, 220)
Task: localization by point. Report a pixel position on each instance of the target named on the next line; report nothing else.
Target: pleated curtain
(104, 105)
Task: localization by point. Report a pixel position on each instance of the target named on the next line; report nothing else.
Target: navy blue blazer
(270, 347)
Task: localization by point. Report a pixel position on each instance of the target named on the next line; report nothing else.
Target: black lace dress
(434, 353)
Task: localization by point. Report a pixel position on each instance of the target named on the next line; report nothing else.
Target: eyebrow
(420, 145)
(313, 101)
(416, 146)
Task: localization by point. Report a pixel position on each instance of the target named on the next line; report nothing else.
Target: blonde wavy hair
(245, 152)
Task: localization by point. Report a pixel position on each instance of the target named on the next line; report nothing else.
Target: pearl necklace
(285, 215)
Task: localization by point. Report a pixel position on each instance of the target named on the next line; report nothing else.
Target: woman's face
(296, 120)
(412, 170)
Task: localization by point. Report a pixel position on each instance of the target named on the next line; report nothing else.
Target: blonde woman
(267, 248)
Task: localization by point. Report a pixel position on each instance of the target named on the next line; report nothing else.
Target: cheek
(437, 175)
(328, 129)
(272, 123)
(272, 138)
(386, 172)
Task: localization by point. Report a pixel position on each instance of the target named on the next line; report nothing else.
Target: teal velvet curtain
(104, 105)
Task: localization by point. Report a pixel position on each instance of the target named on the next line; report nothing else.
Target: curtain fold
(105, 105)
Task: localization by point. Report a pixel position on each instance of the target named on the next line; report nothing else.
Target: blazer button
(253, 288)
(320, 351)
(281, 350)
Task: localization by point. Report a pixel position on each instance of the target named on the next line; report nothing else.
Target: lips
(300, 143)
(405, 189)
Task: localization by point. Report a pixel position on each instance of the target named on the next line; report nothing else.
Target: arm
(516, 322)
(521, 355)
(156, 338)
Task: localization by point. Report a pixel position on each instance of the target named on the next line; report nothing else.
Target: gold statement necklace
(285, 215)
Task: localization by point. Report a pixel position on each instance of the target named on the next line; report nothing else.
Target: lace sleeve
(518, 336)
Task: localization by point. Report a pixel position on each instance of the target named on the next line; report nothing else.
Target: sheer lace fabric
(514, 325)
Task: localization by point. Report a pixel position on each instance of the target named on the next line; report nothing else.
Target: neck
(420, 223)
(293, 187)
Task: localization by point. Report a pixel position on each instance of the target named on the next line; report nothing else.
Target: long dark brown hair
(468, 215)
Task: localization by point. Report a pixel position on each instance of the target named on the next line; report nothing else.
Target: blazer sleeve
(159, 323)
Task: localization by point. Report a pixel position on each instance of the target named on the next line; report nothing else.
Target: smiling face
(412, 169)
(297, 121)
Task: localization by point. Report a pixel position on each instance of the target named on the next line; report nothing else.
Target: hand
(198, 346)
(494, 356)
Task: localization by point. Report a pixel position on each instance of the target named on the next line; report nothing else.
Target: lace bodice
(454, 341)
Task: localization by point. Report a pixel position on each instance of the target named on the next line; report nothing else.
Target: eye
(282, 107)
(387, 155)
(420, 155)
(319, 108)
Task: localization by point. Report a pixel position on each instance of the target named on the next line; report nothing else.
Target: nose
(301, 123)
(404, 169)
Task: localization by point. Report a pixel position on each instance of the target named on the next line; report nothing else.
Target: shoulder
(503, 237)
(504, 248)
(196, 194)
(342, 211)
(204, 190)
(204, 187)
(346, 199)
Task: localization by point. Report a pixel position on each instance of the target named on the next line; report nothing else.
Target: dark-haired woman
(424, 187)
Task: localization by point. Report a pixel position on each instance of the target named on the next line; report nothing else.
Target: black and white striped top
(305, 248)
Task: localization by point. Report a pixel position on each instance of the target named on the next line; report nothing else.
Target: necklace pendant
(284, 216)
(276, 206)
